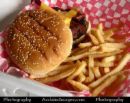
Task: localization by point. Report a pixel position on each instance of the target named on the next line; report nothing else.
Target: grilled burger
(40, 40)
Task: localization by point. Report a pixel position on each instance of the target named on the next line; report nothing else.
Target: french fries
(112, 47)
(95, 54)
(110, 40)
(105, 48)
(78, 70)
(84, 45)
(79, 86)
(108, 59)
(100, 27)
(94, 48)
(117, 69)
(94, 39)
(91, 74)
(105, 54)
(57, 77)
(99, 35)
(92, 65)
(90, 62)
(106, 70)
(81, 77)
(96, 72)
(90, 71)
(60, 69)
(79, 56)
(104, 64)
(90, 77)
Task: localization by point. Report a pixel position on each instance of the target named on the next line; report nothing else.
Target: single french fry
(106, 49)
(105, 54)
(94, 54)
(81, 77)
(112, 46)
(100, 27)
(106, 70)
(90, 66)
(59, 69)
(110, 40)
(109, 59)
(78, 70)
(105, 84)
(117, 69)
(104, 64)
(63, 67)
(96, 72)
(119, 45)
(90, 62)
(99, 35)
(79, 86)
(84, 45)
(94, 39)
(79, 56)
(90, 71)
(76, 57)
(57, 77)
(94, 48)
(109, 47)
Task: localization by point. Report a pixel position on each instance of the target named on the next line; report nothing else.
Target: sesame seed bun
(38, 41)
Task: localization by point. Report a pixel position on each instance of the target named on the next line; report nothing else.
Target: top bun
(38, 41)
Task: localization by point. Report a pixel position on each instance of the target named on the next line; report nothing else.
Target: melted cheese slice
(67, 16)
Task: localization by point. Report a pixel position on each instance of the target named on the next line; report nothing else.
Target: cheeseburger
(38, 41)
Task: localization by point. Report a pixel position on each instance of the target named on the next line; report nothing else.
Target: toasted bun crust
(38, 41)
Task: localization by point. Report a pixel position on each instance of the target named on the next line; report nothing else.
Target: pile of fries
(93, 65)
